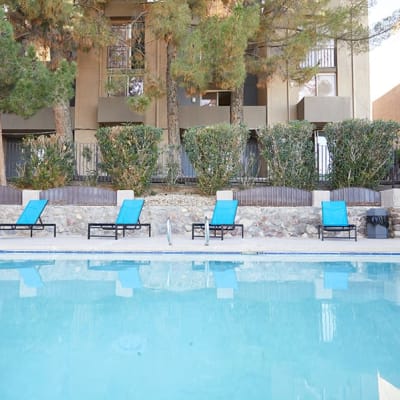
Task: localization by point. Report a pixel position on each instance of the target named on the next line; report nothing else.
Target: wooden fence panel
(356, 196)
(80, 195)
(274, 196)
(10, 195)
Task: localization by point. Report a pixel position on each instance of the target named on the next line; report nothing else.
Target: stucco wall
(387, 106)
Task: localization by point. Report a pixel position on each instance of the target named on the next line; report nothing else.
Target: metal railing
(88, 160)
(323, 57)
(12, 152)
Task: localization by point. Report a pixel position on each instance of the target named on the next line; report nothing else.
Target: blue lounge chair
(223, 220)
(127, 220)
(30, 219)
(334, 220)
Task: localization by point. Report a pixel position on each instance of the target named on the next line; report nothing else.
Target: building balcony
(189, 116)
(116, 110)
(321, 110)
(323, 57)
(42, 121)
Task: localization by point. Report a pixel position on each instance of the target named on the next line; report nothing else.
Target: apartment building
(106, 78)
(386, 107)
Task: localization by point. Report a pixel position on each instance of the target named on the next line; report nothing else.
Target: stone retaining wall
(183, 210)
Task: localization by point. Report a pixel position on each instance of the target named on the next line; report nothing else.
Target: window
(324, 82)
(126, 59)
(216, 98)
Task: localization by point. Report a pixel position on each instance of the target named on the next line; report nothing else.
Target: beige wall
(387, 106)
(156, 61)
(92, 104)
(353, 80)
(86, 96)
(353, 94)
(122, 8)
(277, 102)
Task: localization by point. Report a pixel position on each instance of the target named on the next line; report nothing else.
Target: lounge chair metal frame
(116, 227)
(38, 225)
(349, 228)
(217, 230)
(343, 226)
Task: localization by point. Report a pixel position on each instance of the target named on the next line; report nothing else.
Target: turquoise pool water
(178, 327)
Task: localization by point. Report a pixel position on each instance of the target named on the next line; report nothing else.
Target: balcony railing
(323, 57)
(88, 158)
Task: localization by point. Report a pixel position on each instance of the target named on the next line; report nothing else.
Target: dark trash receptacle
(377, 223)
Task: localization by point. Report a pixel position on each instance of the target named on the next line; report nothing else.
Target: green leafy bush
(288, 150)
(47, 162)
(361, 151)
(129, 154)
(215, 153)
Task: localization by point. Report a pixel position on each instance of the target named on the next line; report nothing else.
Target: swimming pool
(188, 326)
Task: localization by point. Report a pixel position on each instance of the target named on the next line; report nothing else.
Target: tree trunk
(174, 138)
(236, 109)
(62, 119)
(172, 100)
(3, 179)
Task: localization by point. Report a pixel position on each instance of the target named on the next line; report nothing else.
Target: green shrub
(47, 162)
(361, 151)
(288, 150)
(129, 154)
(215, 153)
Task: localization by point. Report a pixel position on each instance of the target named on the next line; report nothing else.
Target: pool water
(197, 327)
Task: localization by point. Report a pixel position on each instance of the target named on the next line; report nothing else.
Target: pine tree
(24, 81)
(214, 53)
(59, 29)
(170, 21)
(268, 39)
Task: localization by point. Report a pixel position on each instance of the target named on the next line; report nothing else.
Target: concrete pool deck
(186, 244)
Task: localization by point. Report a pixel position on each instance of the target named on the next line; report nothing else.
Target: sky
(385, 59)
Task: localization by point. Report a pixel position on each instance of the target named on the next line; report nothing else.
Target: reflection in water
(29, 274)
(224, 276)
(127, 274)
(328, 322)
(289, 330)
(336, 275)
